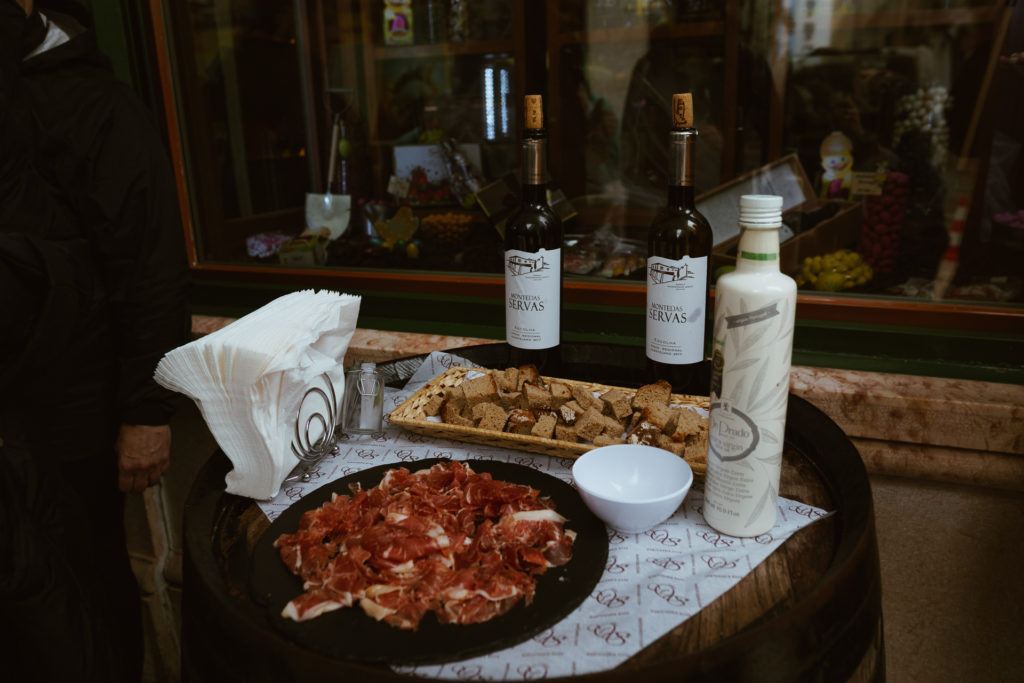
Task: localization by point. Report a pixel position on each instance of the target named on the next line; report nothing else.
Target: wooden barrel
(811, 611)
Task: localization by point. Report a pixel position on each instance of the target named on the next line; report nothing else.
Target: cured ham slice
(445, 540)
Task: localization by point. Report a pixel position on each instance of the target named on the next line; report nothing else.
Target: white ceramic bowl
(632, 488)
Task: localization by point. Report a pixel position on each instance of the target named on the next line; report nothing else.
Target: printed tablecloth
(653, 581)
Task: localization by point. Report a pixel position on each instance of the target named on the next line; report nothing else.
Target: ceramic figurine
(837, 160)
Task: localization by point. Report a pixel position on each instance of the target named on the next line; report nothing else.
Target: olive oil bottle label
(676, 297)
(749, 394)
(533, 282)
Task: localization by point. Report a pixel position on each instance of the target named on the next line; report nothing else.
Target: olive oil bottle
(678, 252)
(753, 346)
(533, 257)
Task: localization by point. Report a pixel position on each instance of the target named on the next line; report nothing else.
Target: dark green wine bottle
(533, 257)
(678, 274)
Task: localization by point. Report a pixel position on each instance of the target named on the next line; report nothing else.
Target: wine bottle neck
(535, 159)
(535, 194)
(681, 197)
(681, 144)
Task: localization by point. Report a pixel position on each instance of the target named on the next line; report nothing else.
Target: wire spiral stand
(326, 417)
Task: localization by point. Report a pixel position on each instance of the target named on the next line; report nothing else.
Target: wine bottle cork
(534, 112)
(682, 110)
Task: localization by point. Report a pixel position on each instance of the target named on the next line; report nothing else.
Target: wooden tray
(410, 415)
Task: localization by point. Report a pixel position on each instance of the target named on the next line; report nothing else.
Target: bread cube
(481, 390)
(652, 394)
(659, 416)
(510, 400)
(616, 404)
(590, 424)
(696, 447)
(537, 398)
(433, 406)
(560, 393)
(688, 422)
(489, 416)
(566, 433)
(586, 399)
(456, 396)
(520, 421)
(569, 412)
(452, 414)
(545, 426)
(527, 374)
(612, 427)
(645, 434)
(510, 382)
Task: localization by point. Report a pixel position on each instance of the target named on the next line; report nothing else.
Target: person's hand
(143, 455)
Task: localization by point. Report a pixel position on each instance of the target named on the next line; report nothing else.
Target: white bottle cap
(760, 211)
(367, 367)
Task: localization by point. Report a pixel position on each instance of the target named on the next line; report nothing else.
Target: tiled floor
(953, 598)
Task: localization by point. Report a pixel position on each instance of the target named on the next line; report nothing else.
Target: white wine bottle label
(533, 282)
(676, 297)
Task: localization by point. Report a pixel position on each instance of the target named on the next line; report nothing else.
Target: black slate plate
(351, 635)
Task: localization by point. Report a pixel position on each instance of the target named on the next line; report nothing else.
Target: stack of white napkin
(249, 380)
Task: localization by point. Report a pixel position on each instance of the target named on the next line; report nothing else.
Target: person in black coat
(60, 625)
(82, 163)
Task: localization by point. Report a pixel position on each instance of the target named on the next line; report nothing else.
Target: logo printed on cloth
(717, 562)
(661, 536)
(667, 563)
(469, 672)
(716, 539)
(806, 511)
(532, 672)
(667, 592)
(614, 567)
(610, 598)
(614, 537)
(610, 634)
(550, 639)
(529, 462)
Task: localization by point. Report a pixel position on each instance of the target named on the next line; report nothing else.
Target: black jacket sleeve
(131, 207)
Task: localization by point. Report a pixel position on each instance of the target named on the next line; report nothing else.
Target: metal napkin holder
(328, 416)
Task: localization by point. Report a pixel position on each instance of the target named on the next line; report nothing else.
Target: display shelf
(695, 29)
(924, 17)
(470, 47)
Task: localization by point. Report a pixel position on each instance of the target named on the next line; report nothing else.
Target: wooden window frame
(845, 309)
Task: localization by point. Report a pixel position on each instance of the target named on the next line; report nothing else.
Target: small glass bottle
(364, 401)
